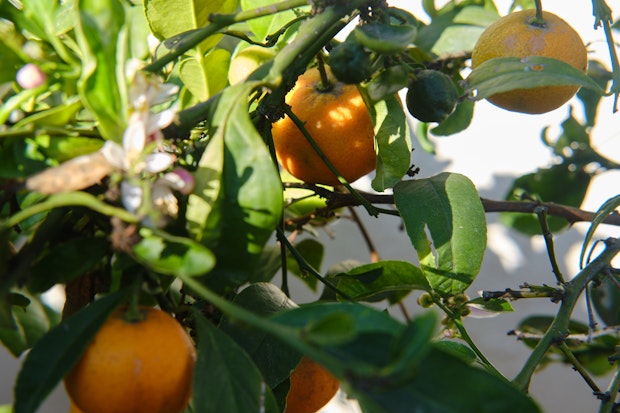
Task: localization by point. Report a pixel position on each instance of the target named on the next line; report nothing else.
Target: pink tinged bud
(30, 76)
(180, 180)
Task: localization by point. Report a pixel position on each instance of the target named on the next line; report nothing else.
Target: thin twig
(541, 212)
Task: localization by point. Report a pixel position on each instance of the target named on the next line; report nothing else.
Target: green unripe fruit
(432, 96)
(350, 63)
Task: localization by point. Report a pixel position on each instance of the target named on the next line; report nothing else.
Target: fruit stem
(300, 125)
(538, 19)
(133, 313)
(324, 85)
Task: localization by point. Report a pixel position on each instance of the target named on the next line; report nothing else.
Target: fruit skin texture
(431, 96)
(135, 367)
(513, 36)
(339, 123)
(312, 387)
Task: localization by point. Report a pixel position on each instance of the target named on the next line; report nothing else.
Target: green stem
(458, 322)
(541, 212)
(559, 327)
(613, 388)
(219, 22)
(538, 19)
(300, 125)
(69, 199)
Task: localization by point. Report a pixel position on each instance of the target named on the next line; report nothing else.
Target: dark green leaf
(55, 353)
(385, 38)
(547, 185)
(449, 207)
(458, 120)
(387, 83)
(390, 280)
(457, 349)
(173, 255)
(471, 390)
(274, 359)
(226, 379)
(27, 323)
(67, 261)
(606, 301)
(509, 73)
(495, 305)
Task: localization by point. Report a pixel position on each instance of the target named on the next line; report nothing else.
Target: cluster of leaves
(216, 244)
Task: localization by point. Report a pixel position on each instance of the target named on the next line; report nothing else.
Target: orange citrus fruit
(517, 35)
(337, 120)
(73, 408)
(143, 366)
(312, 387)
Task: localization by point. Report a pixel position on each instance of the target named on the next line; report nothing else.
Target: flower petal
(158, 162)
(131, 196)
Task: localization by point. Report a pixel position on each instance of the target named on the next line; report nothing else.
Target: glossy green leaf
(266, 25)
(100, 31)
(206, 75)
(390, 280)
(226, 379)
(188, 15)
(172, 255)
(509, 73)
(387, 83)
(55, 353)
(385, 38)
(27, 324)
(66, 261)
(458, 120)
(393, 142)
(547, 185)
(249, 200)
(455, 30)
(449, 208)
(274, 359)
(471, 390)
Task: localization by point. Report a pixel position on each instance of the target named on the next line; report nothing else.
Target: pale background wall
(496, 148)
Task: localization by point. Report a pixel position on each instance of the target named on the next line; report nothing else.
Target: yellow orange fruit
(143, 366)
(339, 123)
(312, 387)
(73, 408)
(515, 35)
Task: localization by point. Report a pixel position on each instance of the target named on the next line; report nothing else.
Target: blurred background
(496, 148)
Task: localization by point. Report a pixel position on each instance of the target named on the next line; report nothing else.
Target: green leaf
(249, 200)
(25, 324)
(60, 115)
(173, 255)
(385, 38)
(547, 185)
(188, 15)
(457, 349)
(394, 145)
(100, 31)
(608, 208)
(606, 301)
(449, 208)
(455, 30)
(206, 75)
(458, 120)
(63, 148)
(55, 353)
(312, 251)
(266, 25)
(471, 390)
(390, 280)
(508, 73)
(273, 358)
(387, 83)
(226, 379)
(495, 305)
(67, 261)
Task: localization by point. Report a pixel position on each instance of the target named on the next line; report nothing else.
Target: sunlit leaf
(508, 73)
(449, 208)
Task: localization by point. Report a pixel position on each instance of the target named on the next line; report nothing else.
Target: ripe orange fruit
(515, 35)
(338, 121)
(73, 408)
(143, 366)
(312, 387)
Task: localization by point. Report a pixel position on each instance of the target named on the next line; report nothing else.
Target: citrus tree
(169, 154)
